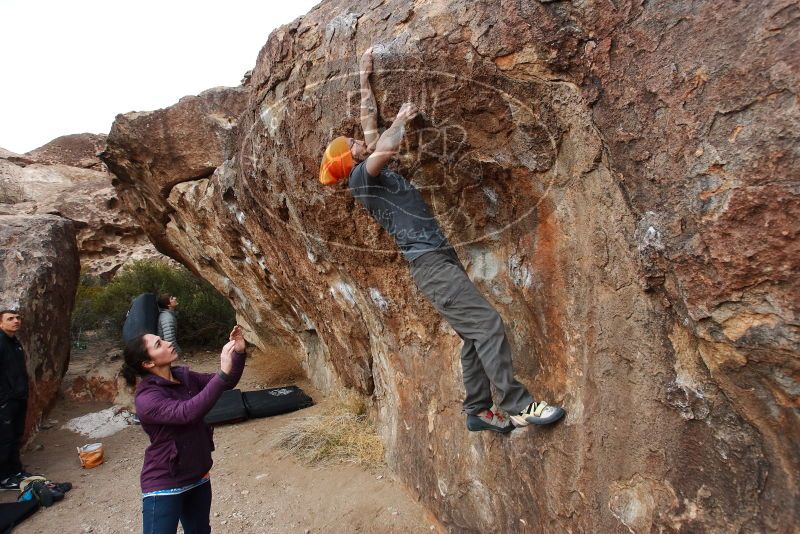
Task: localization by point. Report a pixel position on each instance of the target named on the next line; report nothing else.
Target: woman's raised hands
(236, 344)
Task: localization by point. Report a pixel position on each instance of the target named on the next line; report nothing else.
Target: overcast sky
(71, 66)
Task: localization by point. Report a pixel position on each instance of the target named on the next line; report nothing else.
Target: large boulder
(621, 184)
(66, 178)
(39, 270)
(185, 142)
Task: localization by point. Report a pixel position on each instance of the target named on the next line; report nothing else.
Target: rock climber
(400, 209)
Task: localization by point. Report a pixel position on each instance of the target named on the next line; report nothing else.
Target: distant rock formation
(39, 270)
(65, 177)
(76, 150)
(620, 180)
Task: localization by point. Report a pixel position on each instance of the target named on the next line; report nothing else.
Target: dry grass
(342, 433)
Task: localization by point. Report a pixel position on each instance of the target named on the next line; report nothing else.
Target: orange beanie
(336, 163)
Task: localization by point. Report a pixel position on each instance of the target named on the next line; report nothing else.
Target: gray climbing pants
(485, 353)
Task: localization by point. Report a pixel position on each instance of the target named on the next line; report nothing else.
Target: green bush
(204, 316)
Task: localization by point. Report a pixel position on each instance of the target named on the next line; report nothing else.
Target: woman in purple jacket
(171, 403)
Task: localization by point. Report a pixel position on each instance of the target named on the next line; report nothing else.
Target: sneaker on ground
(538, 413)
(489, 420)
(10, 483)
(62, 487)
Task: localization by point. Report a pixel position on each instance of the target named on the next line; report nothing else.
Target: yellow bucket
(91, 455)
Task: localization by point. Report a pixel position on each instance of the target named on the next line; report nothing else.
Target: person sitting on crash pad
(400, 209)
(171, 403)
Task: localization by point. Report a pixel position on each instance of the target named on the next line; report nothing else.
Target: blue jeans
(161, 513)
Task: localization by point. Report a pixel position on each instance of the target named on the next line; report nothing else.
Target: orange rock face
(620, 182)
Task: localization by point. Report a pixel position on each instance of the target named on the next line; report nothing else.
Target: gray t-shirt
(399, 208)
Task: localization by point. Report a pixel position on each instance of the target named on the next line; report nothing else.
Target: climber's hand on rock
(366, 62)
(407, 112)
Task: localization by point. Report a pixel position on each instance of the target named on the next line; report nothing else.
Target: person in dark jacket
(13, 400)
(168, 320)
(171, 403)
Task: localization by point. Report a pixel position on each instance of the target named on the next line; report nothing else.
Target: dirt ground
(256, 488)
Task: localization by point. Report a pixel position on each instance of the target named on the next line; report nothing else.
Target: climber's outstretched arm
(389, 141)
(369, 108)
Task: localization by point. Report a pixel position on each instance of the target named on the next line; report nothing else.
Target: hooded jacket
(172, 415)
(13, 372)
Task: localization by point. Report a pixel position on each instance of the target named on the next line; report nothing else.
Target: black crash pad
(234, 406)
(275, 401)
(142, 317)
(228, 409)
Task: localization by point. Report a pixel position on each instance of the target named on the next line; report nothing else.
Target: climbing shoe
(489, 420)
(538, 413)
